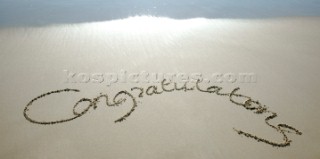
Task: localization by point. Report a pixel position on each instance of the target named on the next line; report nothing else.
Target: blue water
(47, 12)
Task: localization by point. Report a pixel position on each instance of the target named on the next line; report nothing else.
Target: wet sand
(283, 52)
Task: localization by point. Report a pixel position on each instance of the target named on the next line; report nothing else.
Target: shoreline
(151, 17)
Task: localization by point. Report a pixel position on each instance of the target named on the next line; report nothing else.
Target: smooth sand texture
(284, 53)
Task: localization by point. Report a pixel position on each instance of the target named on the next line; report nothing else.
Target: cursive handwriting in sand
(166, 86)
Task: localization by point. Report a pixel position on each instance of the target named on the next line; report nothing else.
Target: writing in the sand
(167, 86)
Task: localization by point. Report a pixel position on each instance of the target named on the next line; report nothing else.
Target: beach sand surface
(283, 53)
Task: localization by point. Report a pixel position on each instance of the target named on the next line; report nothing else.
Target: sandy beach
(282, 53)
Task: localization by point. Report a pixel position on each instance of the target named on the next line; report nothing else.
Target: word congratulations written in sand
(166, 86)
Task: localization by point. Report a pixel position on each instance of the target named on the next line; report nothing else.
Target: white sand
(284, 53)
